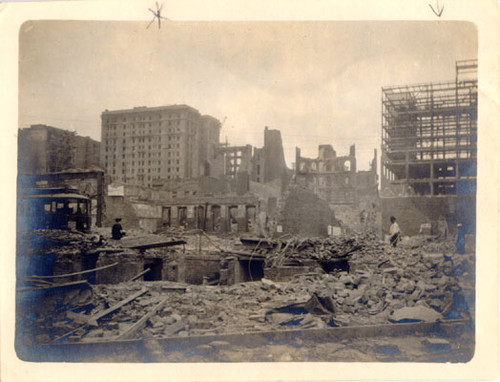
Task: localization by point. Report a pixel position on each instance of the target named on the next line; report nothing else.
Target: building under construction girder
(429, 147)
(429, 136)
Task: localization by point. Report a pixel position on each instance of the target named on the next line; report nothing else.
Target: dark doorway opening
(216, 218)
(165, 216)
(155, 273)
(252, 270)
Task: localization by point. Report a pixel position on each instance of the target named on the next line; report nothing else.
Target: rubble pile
(429, 243)
(47, 316)
(442, 246)
(55, 241)
(382, 285)
(401, 288)
(318, 249)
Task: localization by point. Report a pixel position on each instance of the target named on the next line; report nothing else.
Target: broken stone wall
(68, 263)
(284, 273)
(193, 268)
(274, 157)
(129, 265)
(117, 206)
(306, 214)
(149, 216)
(366, 217)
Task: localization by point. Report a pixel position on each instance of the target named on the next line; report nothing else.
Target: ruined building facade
(429, 151)
(211, 204)
(352, 195)
(46, 149)
(263, 164)
(269, 161)
(145, 144)
(332, 178)
(172, 172)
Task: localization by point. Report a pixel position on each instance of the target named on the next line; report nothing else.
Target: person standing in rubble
(117, 230)
(394, 232)
(460, 245)
(442, 227)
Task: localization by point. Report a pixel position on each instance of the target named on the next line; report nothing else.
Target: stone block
(437, 344)
(415, 313)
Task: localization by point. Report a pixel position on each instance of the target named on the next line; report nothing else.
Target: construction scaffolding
(429, 136)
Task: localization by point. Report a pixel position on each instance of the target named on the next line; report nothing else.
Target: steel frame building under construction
(429, 137)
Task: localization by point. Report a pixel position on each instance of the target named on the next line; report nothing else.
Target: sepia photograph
(246, 191)
(282, 192)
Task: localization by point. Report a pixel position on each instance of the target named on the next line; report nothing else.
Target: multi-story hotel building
(143, 144)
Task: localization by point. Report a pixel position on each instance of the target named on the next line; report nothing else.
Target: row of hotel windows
(132, 126)
(125, 142)
(112, 138)
(142, 155)
(142, 147)
(142, 117)
(141, 163)
(114, 130)
(139, 155)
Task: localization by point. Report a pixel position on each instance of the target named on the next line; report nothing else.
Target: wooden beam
(133, 329)
(140, 274)
(51, 286)
(93, 320)
(76, 273)
(239, 254)
(159, 244)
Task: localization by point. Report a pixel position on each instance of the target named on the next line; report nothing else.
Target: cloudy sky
(317, 82)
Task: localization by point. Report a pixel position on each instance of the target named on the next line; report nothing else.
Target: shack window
(83, 207)
(73, 207)
(46, 207)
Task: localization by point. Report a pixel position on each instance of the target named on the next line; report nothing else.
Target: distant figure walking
(395, 232)
(460, 239)
(117, 230)
(442, 227)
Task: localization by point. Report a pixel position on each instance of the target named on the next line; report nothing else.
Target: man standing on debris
(117, 230)
(395, 232)
(460, 244)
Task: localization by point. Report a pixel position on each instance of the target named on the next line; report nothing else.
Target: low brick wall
(129, 265)
(284, 273)
(192, 269)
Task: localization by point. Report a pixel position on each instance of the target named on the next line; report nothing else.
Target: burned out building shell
(350, 194)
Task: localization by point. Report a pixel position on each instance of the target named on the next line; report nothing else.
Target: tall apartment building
(429, 150)
(144, 144)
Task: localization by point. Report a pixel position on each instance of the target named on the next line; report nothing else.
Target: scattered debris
(379, 285)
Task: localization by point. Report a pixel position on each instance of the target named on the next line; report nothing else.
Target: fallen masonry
(234, 288)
